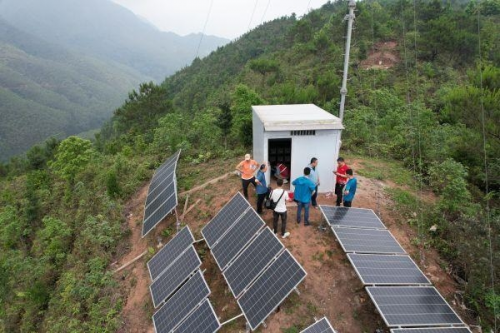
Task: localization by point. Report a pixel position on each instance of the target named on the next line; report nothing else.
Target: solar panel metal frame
(432, 330)
(354, 223)
(314, 328)
(172, 305)
(200, 308)
(164, 182)
(145, 230)
(361, 276)
(164, 251)
(157, 302)
(241, 259)
(357, 230)
(162, 197)
(173, 157)
(205, 232)
(160, 174)
(230, 236)
(286, 252)
(413, 324)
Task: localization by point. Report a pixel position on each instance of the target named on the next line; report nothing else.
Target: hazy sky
(228, 18)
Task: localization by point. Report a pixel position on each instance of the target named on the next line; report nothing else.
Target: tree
(225, 120)
(242, 100)
(72, 155)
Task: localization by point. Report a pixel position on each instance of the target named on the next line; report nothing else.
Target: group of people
(305, 193)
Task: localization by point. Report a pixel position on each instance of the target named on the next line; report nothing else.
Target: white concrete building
(293, 134)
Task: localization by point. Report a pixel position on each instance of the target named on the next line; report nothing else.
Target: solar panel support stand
(247, 328)
(232, 319)
(178, 222)
(296, 291)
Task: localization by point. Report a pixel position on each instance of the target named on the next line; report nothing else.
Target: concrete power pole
(343, 91)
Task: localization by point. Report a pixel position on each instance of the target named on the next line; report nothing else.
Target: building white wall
(324, 146)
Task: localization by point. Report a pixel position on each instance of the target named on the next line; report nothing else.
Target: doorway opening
(280, 158)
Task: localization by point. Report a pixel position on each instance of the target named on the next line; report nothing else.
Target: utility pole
(343, 91)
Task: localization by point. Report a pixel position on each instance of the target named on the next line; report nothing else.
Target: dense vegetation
(60, 207)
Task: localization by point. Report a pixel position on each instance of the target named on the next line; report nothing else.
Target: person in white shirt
(280, 196)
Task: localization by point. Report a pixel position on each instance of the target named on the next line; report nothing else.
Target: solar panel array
(432, 330)
(180, 288)
(256, 266)
(387, 270)
(412, 306)
(321, 326)
(162, 194)
(400, 290)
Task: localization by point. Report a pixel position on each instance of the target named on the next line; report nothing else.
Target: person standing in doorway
(304, 189)
(341, 179)
(247, 169)
(350, 188)
(280, 196)
(314, 177)
(261, 189)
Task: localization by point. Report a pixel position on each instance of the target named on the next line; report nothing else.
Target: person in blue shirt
(314, 177)
(304, 189)
(261, 187)
(350, 188)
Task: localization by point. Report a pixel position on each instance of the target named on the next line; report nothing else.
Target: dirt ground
(331, 288)
(383, 56)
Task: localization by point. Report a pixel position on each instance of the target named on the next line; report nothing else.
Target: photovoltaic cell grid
(174, 275)
(202, 320)
(171, 314)
(351, 217)
(252, 261)
(367, 241)
(157, 216)
(162, 194)
(412, 306)
(167, 255)
(432, 330)
(214, 230)
(321, 326)
(387, 270)
(270, 289)
(236, 238)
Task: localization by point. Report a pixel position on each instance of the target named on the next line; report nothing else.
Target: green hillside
(46, 91)
(423, 90)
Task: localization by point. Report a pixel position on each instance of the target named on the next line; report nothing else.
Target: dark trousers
(314, 196)
(260, 201)
(283, 222)
(339, 190)
(245, 183)
(347, 203)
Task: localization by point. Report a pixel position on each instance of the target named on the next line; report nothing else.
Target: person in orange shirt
(247, 169)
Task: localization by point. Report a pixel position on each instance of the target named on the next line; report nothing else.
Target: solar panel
(412, 306)
(271, 288)
(387, 270)
(224, 219)
(171, 314)
(321, 326)
(159, 200)
(158, 215)
(158, 185)
(432, 330)
(167, 255)
(351, 217)
(236, 238)
(169, 161)
(174, 275)
(252, 261)
(202, 320)
(367, 241)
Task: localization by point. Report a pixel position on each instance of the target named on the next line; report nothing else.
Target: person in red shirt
(341, 179)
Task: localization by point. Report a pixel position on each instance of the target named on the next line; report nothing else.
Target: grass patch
(381, 169)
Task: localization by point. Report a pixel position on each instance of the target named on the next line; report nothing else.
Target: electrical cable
(204, 28)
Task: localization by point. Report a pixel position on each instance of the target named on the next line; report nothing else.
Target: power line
(265, 11)
(486, 171)
(204, 28)
(253, 13)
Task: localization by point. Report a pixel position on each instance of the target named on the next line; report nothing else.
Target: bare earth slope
(331, 287)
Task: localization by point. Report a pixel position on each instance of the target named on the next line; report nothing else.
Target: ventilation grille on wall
(295, 133)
